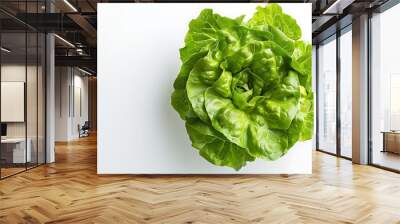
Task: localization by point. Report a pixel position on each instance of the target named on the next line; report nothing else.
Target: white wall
(138, 130)
(81, 83)
(69, 81)
(62, 81)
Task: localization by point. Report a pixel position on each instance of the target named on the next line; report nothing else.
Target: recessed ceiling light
(84, 71)
(70, 5)
(65, 41)
(338, 6)
(5, 50)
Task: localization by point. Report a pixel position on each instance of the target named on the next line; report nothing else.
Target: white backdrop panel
(12, 101)
(138, 60)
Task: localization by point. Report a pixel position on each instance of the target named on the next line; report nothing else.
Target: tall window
(346, 92)
(385, 89)
(327, 95)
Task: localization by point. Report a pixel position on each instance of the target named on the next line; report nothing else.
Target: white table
(19, 155)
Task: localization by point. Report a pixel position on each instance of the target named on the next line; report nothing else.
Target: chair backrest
(86, 124)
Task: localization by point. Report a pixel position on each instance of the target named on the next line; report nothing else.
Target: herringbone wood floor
(69, 191)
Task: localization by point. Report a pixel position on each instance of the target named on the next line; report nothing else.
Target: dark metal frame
(369, 90)
(36, 164)
(338, 98)
(45, 90)
(317, 97)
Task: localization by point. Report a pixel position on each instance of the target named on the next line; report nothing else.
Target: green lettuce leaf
(244, 88)
(214, 147)
(273, 15)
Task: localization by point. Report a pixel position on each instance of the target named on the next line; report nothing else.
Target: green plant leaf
(273, 15)
(214, 147)
(307, 109)
(244, 88)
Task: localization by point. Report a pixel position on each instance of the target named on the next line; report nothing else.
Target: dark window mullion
(338, 73)
(45, 91)
(317, 96)
(369, 90)
(26, 87)
(37, 89)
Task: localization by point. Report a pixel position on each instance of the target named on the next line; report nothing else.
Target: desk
(391, 141)
(17, 150)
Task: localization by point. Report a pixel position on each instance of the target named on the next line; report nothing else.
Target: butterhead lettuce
(244, 88)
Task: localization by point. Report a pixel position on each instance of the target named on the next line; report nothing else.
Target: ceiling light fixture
(5, 50)
(65, 41)
(331, 7)
(337, 7)
(84, 71)
(70, 5)
(80, 51)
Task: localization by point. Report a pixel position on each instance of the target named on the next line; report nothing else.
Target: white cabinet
(19, 155)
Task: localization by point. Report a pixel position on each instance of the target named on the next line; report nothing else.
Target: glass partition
(32, 97)
(14, 155)
(385, 90)
(41, 107)
(346, 92)
(327, 95)
(22, 92)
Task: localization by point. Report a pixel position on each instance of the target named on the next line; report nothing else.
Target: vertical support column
(50, 99)
(62, 102)
(50, 92)
(92, 100)
(360, 90)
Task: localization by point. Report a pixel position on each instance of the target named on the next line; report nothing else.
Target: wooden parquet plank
(70, 191)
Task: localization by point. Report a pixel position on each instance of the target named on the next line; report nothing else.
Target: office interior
(23, 100)
(30, 56)
(32, 50)
(29, 46)
(49, 86)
